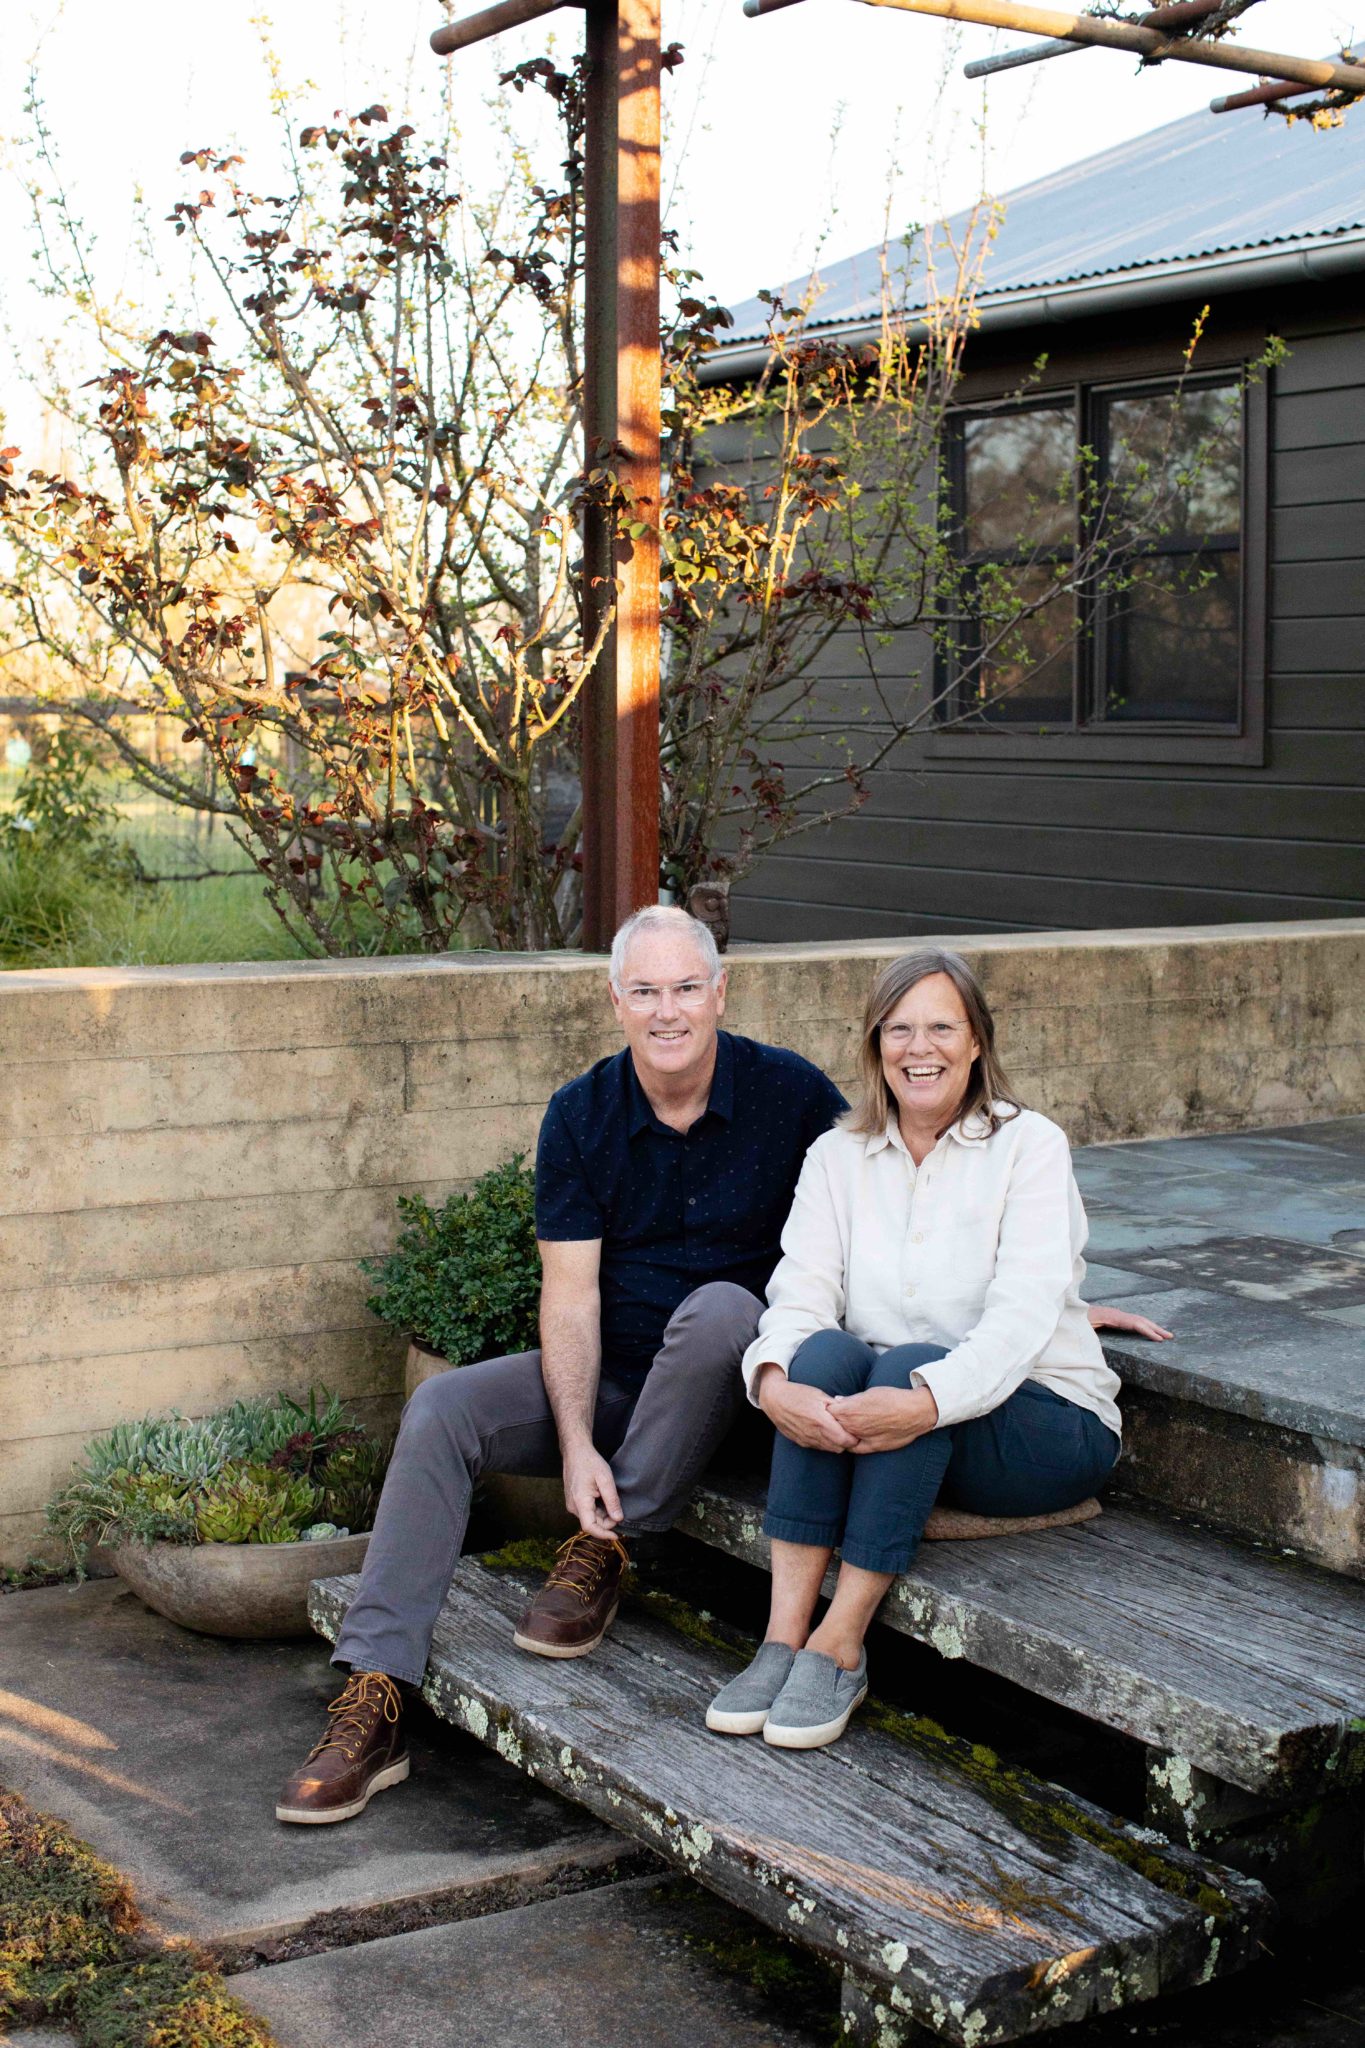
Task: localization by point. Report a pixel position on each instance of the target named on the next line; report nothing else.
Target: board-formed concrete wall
(194, 1159)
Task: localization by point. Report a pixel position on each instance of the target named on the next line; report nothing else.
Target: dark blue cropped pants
(1033, 1455)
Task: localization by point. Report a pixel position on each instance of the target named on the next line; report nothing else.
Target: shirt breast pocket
(966, 1246)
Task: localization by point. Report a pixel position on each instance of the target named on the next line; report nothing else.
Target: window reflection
(1192, 442)
(1158, 625)
(1171, 641)
(1025, 634)
(1017, 470)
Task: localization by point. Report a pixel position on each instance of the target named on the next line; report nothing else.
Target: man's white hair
(664, 917)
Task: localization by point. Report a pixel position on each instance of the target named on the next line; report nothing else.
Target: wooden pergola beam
(1153, 44)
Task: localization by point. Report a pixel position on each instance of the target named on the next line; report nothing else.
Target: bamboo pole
(986, 67)
(1144, 42)
(490, 21)
(1182, 14)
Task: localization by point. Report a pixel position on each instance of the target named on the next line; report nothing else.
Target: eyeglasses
(898, 1036)
(645, 995)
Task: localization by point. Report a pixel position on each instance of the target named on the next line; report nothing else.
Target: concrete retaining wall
(193, 1159)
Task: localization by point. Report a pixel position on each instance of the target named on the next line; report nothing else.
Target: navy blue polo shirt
(675, 1209)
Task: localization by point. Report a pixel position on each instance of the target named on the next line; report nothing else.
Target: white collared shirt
(978, 1249)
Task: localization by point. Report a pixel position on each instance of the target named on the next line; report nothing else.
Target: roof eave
(1235, 270)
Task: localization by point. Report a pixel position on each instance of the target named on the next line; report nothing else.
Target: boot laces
(581, 1564)
(370, 1696)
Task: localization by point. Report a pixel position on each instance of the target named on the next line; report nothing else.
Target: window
(1169, 646)
(1015, 515)
(1101, 590)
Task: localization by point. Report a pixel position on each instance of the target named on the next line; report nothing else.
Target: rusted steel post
(621, 409)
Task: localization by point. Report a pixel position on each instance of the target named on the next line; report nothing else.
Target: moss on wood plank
(1018, 1798)
(939, 1931)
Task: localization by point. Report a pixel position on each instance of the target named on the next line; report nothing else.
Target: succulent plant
(137, 1507)
(283, 1424)
(259, 1471)
(193, 1451)
(255, 1504)
(350, 1481)
(321, 1532)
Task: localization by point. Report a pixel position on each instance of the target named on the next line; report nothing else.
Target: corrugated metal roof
(1202, 186)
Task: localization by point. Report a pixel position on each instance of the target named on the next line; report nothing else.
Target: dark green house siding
(997, 838)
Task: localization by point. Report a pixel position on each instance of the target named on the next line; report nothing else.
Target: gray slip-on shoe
(741, 1707)
(814, 1705)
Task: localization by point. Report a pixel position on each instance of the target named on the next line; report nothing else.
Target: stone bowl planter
(234, 1589)
(515, 1504)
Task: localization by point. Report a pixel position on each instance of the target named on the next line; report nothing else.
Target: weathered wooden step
(1249, 1668)
(956, 1895)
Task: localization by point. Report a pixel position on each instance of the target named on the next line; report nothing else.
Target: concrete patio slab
(163, 1750)
(1264, 1360)
(1236, 1243)
(1251, 1248)
(620, 1968)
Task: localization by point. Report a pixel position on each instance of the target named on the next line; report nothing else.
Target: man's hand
(590, 1491)
(1120, 1319)
(886, 1418)
(803, 1414)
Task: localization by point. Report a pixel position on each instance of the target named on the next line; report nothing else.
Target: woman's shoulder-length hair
(989, 1090)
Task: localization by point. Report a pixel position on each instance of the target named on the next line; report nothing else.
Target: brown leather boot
(363, 1752)
(577, 1604)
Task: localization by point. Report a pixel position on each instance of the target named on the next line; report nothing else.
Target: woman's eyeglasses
(897, 1036)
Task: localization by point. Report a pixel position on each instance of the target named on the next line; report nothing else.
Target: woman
(924, 1338)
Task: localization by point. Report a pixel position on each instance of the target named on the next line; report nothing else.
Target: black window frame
(1090, 735)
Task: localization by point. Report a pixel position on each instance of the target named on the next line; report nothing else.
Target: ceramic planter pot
(517, 1506)
(234, 1589)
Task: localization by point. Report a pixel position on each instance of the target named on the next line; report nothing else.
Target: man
(663, 1179)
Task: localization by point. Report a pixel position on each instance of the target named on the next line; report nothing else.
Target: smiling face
(668, 1038)
(927, 1049)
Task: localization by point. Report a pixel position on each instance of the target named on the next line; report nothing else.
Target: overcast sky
(810, 129)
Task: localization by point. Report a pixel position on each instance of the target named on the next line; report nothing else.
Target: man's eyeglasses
(647, 995)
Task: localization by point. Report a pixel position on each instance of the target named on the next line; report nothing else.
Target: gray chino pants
(495, 1417)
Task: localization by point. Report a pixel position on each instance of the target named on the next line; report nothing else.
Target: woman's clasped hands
(880, 1419)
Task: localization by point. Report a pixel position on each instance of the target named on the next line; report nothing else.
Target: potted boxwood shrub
(220, 1522)
(463, 1283)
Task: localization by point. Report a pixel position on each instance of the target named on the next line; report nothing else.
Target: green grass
(56, 913)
